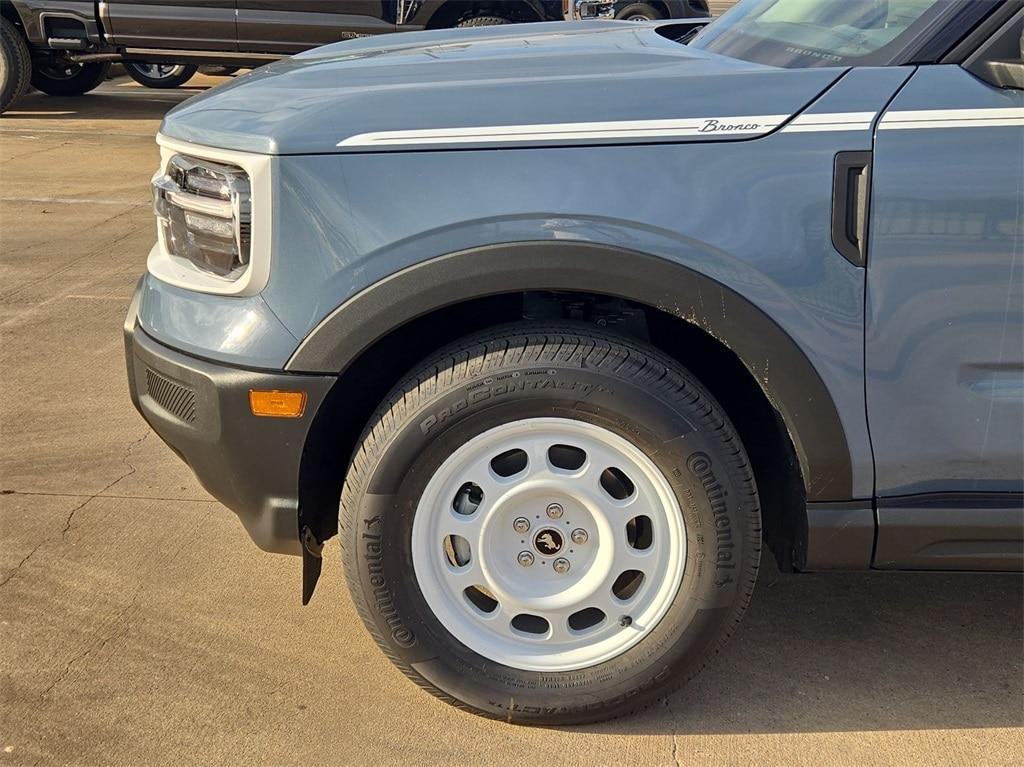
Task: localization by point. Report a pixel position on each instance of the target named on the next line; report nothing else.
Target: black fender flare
(425, 12)
(800, 396)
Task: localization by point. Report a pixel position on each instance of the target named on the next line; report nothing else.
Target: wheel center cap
(548, 541)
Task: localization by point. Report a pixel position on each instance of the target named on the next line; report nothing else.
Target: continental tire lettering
(382, 600)
(700, 466)
(490, 389)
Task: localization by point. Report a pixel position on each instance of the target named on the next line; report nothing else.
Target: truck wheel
(483, 21)
(638, 12)
(218, 71)
(159, 75)
(59, 77)
(550, 525)
(15, 65)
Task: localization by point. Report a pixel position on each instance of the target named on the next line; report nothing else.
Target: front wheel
(57, 76)
(216, 71)
(550, 525)
(15, 64)
(637, 12)
(159, 75)
(483, 20)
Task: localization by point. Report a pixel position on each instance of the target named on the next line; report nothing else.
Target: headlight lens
(204, 212)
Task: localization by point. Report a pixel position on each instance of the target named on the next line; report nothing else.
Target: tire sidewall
(639, 9)
(88, 77)
(713, 492)
(181, 75)
(15, 65)
(486, 20)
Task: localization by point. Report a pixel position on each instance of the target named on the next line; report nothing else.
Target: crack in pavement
(93, 497)
(101, 249)
(23, 561)
(40, 493)
(674, 736)
(121, 618)
(67, 522)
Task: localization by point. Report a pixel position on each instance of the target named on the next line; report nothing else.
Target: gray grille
(176, 399)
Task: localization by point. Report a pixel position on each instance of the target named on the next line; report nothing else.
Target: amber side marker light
(277, 404)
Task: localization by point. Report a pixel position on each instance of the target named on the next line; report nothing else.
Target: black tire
(159, 75)
(213, 71)
(580, 373)
(638, 12)
(15, 65)
(486, 20)
(59, 78)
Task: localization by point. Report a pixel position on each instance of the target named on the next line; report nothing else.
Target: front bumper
(201, 410)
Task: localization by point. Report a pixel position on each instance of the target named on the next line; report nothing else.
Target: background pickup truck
(65, 47)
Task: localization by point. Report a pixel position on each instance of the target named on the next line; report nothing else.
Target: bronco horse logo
(548, 542)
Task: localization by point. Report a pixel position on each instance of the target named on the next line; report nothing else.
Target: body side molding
(800, 396)
(840, 536)
(951, 531)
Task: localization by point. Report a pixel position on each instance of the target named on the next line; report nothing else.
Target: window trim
(984, 33)
(943, 35)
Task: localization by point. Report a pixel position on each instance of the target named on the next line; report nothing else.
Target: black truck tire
(15, 65)
(59, 78)
(159, 75)
(638, 12)
(586, 408)
(484, 20)
(217, 71)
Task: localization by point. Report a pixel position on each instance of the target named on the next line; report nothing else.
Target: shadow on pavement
(110, 102)
(855, 652)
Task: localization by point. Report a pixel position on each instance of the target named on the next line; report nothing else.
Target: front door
(945, 323)
(207, 25)
(290, 26)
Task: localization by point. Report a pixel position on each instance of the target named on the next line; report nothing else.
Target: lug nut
(625, 620)
(579, 535)
(525, 558)
(521, 524)
(555, 511)
(561, 565)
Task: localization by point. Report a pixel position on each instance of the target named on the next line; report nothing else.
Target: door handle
(851, 193)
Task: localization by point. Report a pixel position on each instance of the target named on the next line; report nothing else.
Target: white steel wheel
(549, 524)
(548, 544)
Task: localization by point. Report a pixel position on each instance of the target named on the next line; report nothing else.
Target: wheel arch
(9, 11)
(450, 12)
(661, 6)
(469, 290)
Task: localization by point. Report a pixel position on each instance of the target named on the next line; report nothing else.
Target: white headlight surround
(184, 273)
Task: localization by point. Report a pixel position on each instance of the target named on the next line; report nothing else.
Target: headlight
(204, 212)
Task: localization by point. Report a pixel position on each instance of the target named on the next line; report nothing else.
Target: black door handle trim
(851, 191)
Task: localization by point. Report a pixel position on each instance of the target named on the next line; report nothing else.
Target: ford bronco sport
(573, 318)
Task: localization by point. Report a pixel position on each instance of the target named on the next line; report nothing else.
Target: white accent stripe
(953, 118)
(826, 122)
(826, 128)
(743, 125)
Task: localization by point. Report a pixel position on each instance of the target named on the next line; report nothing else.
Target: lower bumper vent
(176, 399)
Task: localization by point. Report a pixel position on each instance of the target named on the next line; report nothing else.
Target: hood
(529, 85)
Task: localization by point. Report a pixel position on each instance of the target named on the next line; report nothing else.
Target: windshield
(807, 33)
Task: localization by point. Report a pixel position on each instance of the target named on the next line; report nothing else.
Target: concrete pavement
(138, 625)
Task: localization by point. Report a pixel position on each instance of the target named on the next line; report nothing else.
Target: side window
(1001, 61)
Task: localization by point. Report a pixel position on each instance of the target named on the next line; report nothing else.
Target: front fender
(799, 394)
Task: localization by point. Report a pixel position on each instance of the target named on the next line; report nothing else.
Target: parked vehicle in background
(655, 10)
(65, 46)
(637, 10)
(562, 428)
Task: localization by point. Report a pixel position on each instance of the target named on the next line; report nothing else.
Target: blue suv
(569, 320)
